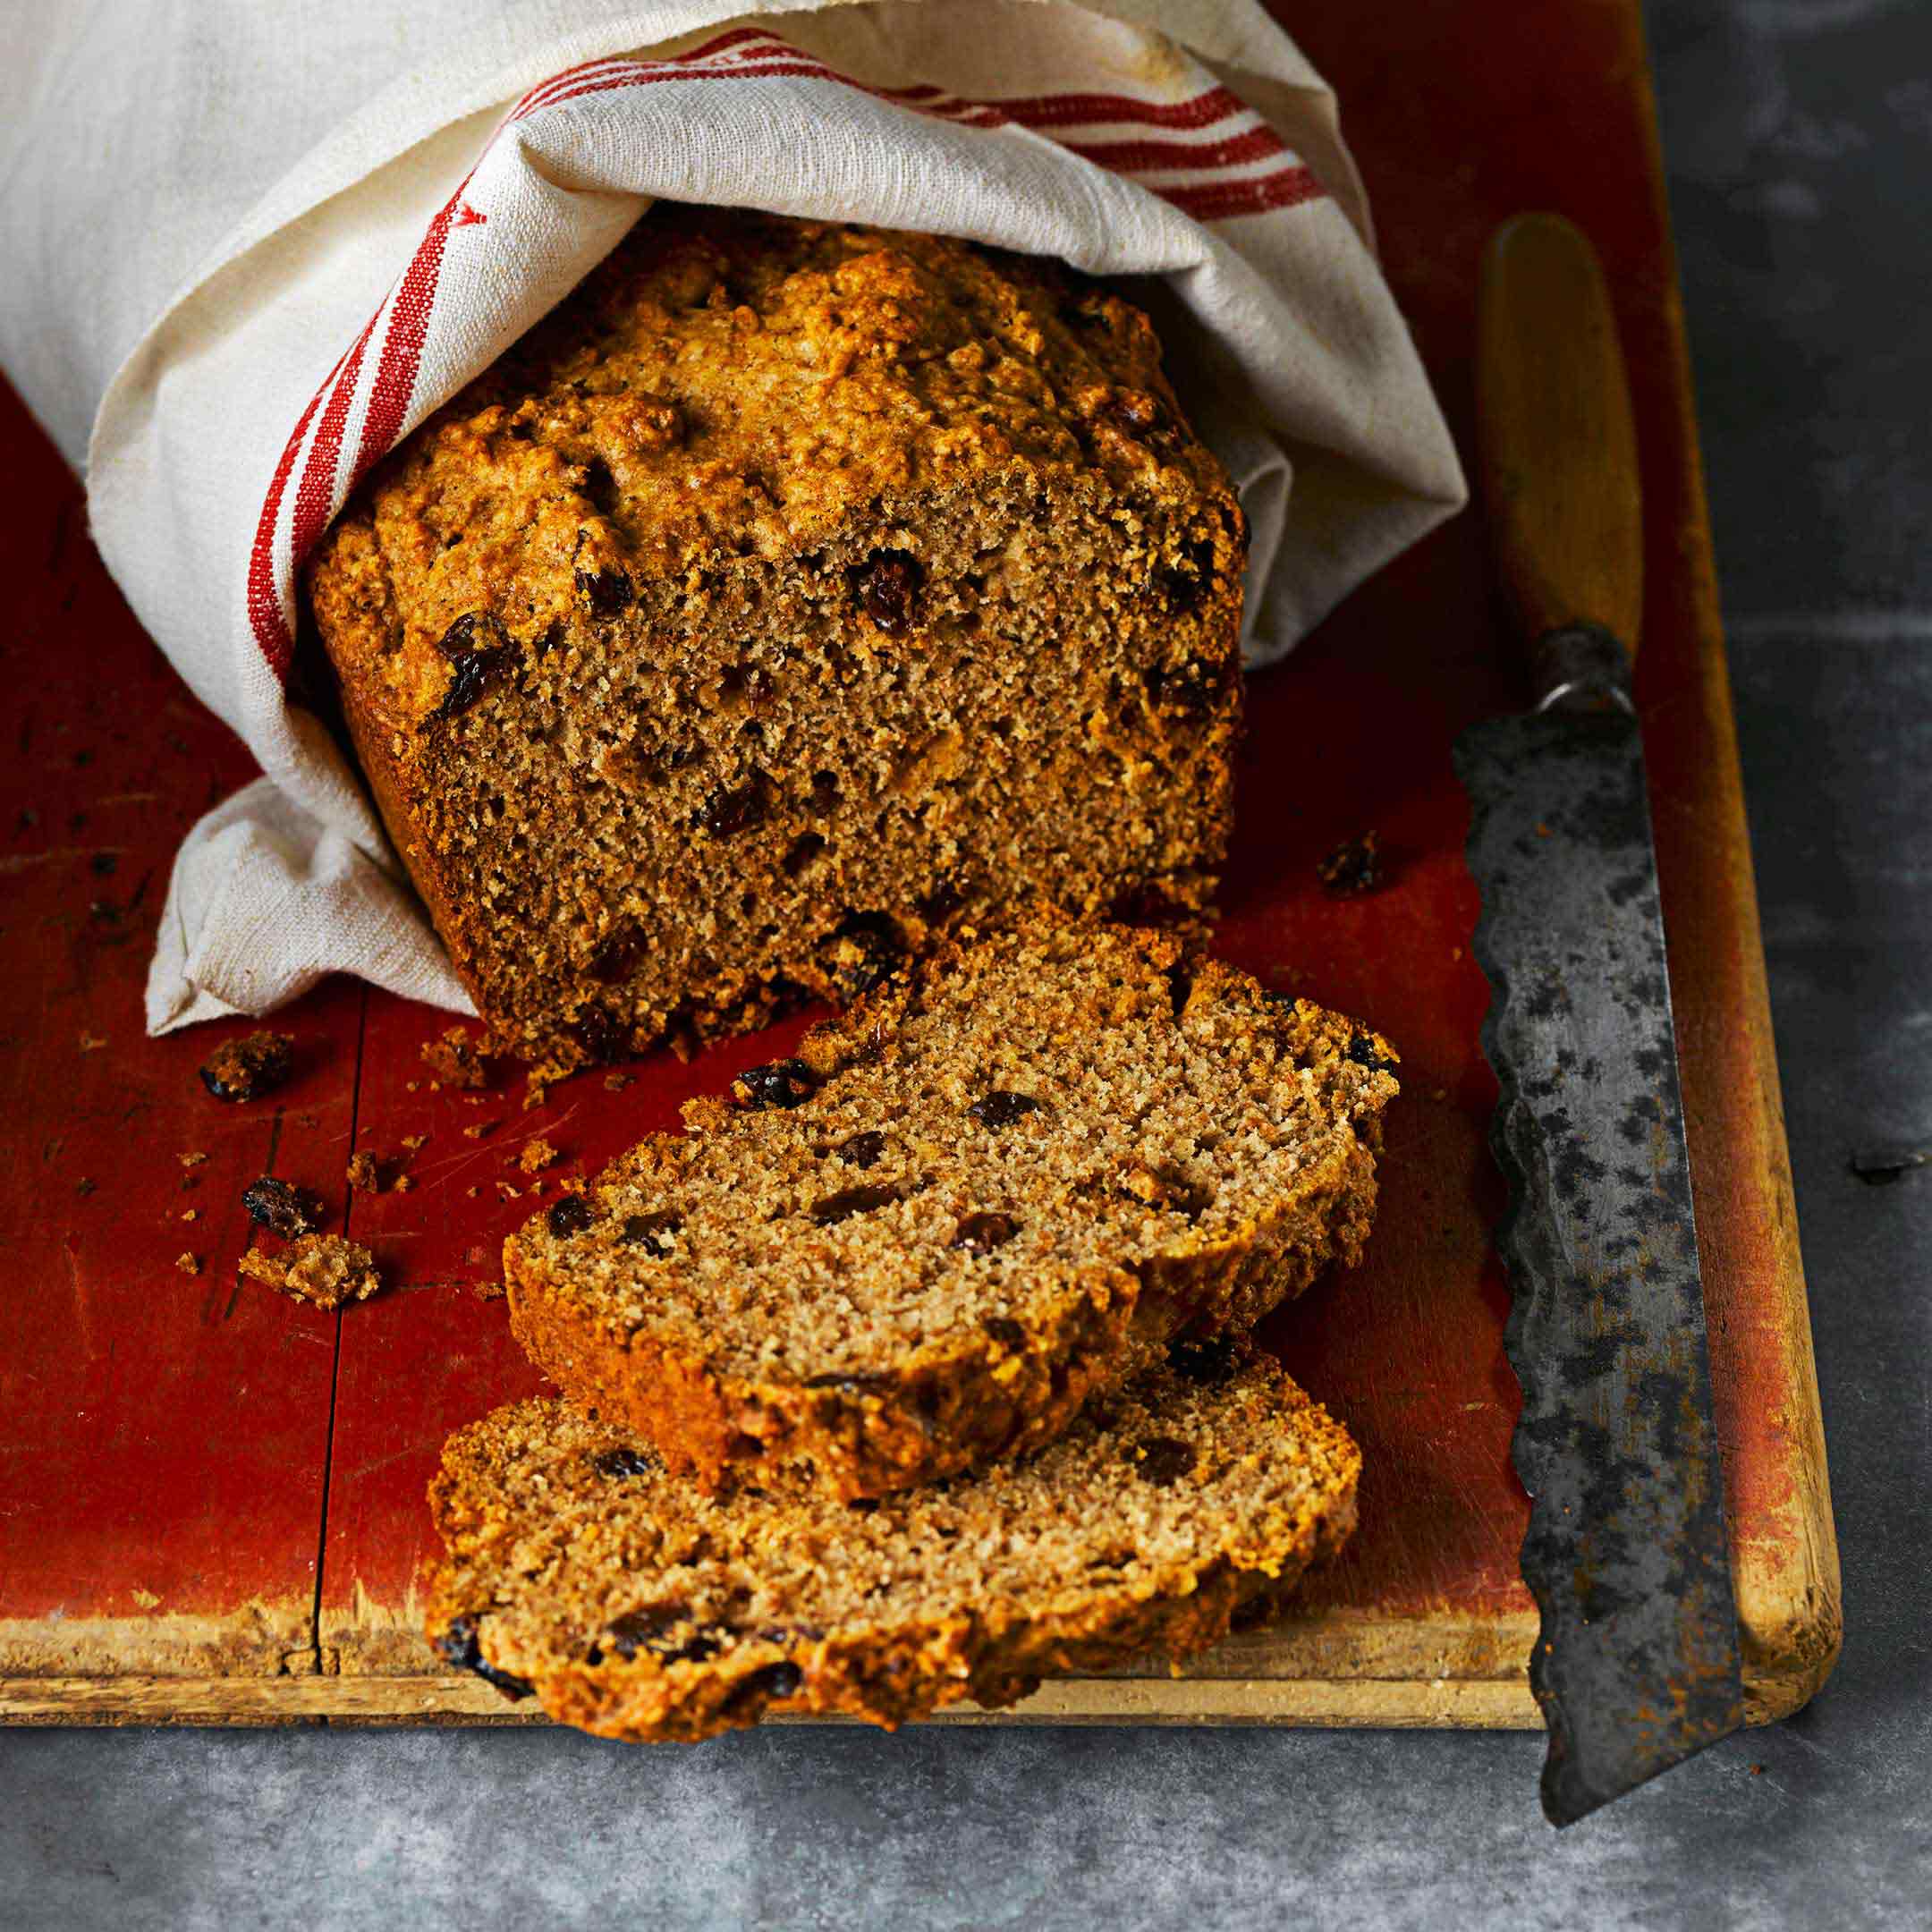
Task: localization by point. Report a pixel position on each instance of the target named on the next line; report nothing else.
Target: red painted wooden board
(211, 1499)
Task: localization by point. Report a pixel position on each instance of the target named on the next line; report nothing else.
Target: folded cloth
(245, 357)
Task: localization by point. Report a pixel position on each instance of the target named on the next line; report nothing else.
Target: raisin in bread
(999, 1185)
(791, 591)
(635, 1606)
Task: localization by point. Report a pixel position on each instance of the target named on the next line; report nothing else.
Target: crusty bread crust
(1005, 1370)
(635, 1607)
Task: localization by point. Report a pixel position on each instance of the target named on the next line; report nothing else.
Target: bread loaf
(791, 593)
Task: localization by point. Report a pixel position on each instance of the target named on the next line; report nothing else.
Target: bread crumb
(509, 1192)
(413, 1143)
(325, 1270)
(281, 1208)
(403, 1183)
(537, 1155)
(190, 1214)
(190, 1160)
(92, 1042)
(247, 1068)
(481, 1131)
(1354, 866)
(487, 1290)
(617, 1082)
(453, 1061)
(364, 1173)
(189, 1264)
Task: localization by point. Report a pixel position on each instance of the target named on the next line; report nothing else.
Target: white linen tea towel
(254, 246)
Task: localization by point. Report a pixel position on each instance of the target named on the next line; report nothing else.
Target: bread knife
(1627, 1553)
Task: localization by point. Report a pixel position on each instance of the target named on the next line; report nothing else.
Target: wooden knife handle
(1558, 453)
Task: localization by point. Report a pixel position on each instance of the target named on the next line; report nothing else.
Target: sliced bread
(636, 1606)
(1000, 1185)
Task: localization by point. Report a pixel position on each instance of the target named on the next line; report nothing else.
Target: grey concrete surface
(1799, 137)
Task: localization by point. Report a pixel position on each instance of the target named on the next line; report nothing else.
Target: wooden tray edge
(1788, 1590)
(1402, 1703)
(1409, 1684)
(1323, 1703)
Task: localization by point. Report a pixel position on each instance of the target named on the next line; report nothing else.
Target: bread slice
(635, 1606)
(794, 590)
(998, 1186)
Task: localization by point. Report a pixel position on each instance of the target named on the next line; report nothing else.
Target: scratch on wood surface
(368, 1465)
(83, 1300)
(460, 1162)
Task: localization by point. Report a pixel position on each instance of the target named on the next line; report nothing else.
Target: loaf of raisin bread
(997, 1187)
(789, 593)
(636, 1606)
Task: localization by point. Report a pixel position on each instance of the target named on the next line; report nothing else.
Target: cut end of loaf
(635, 1606)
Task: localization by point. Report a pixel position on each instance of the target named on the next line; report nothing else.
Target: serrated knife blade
(1627, 1551)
